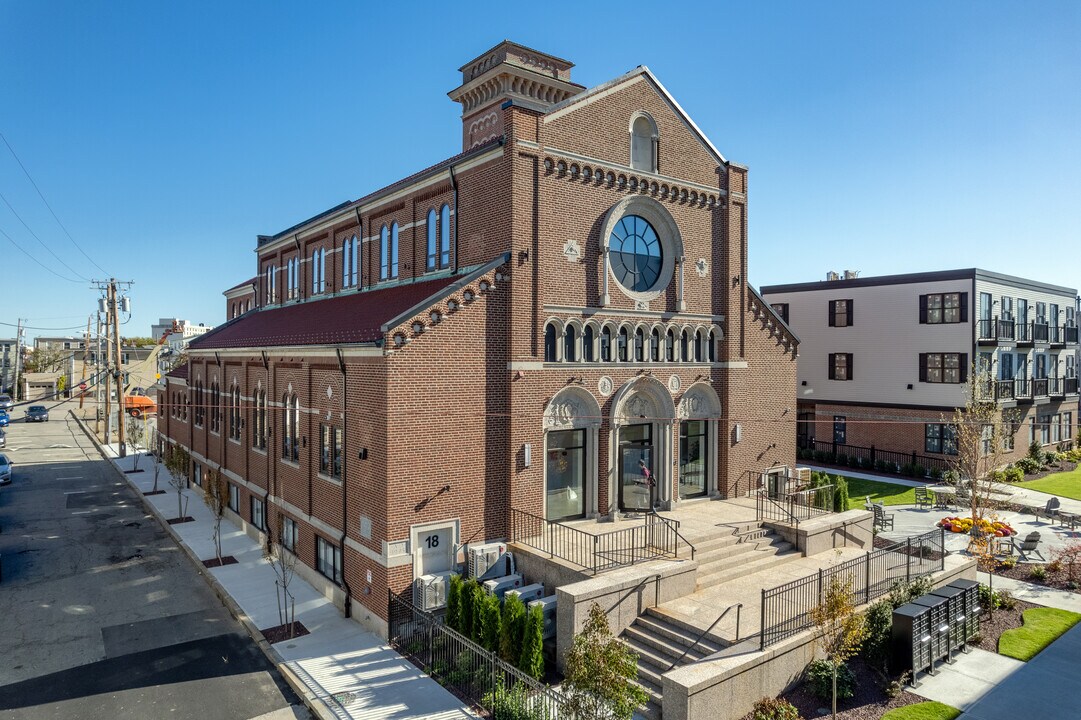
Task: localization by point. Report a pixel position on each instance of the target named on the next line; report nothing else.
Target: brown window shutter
(964, 307)
(848, 304)
(832, 314)
(923, 356)
(923, 311)
(831, 370)
(963, 362)
(848, 363)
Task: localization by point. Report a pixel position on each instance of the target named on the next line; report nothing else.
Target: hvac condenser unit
(430, 591)
(482, 558)
(500, 586)
(528, 593)
(548, 607)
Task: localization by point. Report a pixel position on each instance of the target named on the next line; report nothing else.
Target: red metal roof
(180, 372)
(352, 318)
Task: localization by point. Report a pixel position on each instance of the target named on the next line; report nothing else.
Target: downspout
(454, 185)
(348, 608)
(360, 250)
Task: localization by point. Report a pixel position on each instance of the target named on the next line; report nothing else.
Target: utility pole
(97, 380)
(105, 378)
(118, 374)
(18, 357)
(86, 351)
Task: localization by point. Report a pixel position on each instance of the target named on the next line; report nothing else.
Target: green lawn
(1063, 484)
(923, 711)
(880, 492)
(1042, 626)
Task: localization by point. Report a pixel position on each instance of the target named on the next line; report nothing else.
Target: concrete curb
(313, 702)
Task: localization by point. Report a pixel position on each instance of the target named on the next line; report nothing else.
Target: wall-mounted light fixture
(527, 454)
(910, 386)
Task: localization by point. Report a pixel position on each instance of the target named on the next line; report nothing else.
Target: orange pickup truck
(138, 404)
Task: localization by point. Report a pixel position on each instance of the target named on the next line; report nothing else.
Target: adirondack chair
(1030, 545)
(923, 498)
(1051, 509)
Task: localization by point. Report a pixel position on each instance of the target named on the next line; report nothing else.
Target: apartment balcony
(1023, 331)
(1069, 334)
(1069, 386)
(1056, 335)
(1041, 332)
(994, 331)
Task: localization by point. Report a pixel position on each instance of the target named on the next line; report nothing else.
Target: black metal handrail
(707, 631)
(766, 508)
(673, 525)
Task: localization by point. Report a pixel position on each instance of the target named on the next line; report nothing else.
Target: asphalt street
(101, 614)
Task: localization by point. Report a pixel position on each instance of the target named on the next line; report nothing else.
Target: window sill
(330, 479)
(261, 451)
(291, 463)
(234, 441)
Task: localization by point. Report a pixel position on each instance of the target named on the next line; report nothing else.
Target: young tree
(468, 596)
(840, 631)
(40, 360)
(178, 463)
(476, 625)
(511, 629)
(532, 659)
(491, 622)
(152, 444)
(283, 563)
(216, 497)
(133, 440)
(600, 673)
(982, 432)
(454, 603)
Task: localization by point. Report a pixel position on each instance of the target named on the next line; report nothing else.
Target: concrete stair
(660, 640)
(748, 550)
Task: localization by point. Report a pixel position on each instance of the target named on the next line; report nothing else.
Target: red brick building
(517, 326)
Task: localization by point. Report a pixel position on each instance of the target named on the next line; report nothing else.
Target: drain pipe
(454, 185)
(348, 607)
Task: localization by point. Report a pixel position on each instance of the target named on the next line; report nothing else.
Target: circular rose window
(636, 253)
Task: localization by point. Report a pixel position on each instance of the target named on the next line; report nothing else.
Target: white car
(5, 470)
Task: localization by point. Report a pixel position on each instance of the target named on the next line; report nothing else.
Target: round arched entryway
(571, 422)
(698, 411)
(641, 439)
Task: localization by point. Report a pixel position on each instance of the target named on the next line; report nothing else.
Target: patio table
(1071, 519)
(944, 495)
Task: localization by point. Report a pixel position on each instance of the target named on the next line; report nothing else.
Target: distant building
(240, 299)
(7, 363)
(58, 343)
(178, 340)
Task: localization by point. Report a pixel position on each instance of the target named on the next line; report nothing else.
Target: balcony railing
(1040, 332)
(1024, 333)
(1039, 387)
(995, 330)
(1055, 335)
(1055, 386)
(1028, 388)
(1069, 333)
(1069, 385)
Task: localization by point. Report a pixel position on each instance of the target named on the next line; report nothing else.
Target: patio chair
(923, 498)
(1030, 545)
(1051, 509)
(883, 520)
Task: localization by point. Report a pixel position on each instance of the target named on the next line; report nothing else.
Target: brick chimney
(508, 71)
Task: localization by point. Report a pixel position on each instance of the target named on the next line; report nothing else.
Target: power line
(35, 236)
(30, 327)
(24, 252)
(42, 196)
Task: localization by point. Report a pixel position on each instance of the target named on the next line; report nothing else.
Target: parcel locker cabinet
(972, 605)
(957, 615)
(940, 624)
(910, 640)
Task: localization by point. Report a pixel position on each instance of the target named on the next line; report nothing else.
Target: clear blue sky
(883, 137)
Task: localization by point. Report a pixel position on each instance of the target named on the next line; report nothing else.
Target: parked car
(3, 438)
(5, 470)
(6, 403)
(4, 419)
(37, 413)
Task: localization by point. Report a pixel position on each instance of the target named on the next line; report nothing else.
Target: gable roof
(645, 72)
(180, 372)
(357, 318)
(246, 285)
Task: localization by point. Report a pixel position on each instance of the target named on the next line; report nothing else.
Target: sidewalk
(1037, 594)
(343, 671)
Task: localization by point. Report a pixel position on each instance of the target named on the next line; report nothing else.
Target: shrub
(531, 661)
(1013, 474)
(465, 623)
(895, 687)
(511, 629)
(841, 459)
(514, 704)
(919, 471)
(1038, 572)
(774, 709)
(1052, 458)
(820, 680)
(840, 494)
(1055, 566)
(878, 622)
(1028, 466)
(822, 456)
(490, 623)
(867, 463)
(1008, 562)
(454, 603)
(900, 593)
(1006, 600)
(854, 462)
(1035, 453)
(936, 474)
(883, 466)
(476, 627)
(988, 598)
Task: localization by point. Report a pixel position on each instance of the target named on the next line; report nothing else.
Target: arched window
(670, 346)
(570, 344)
(606, 344)
(684, 347)
(655, 345)
(290, 427)
(394, 250)
(639, 345)
(621, 345)
(587, 344)
(259, 421)
(234, 415)
(698, 346)
(444, 236)
(644, 144)
(215, 408)
(550, 343)
(318, 270)
(433, 249)
(711, 347)
(384, 253)
(350, 262)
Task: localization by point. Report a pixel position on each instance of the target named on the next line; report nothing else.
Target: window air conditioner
(430, 591)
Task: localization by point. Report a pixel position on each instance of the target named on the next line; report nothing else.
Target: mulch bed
(280, 633)
(1063, 466)
(215, 562)
(870, 701)
(1059, 580)
(154, 492)
(177, 521)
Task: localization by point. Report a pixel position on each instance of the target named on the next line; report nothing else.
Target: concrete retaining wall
(851, 528)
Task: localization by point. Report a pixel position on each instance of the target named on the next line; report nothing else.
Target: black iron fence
(793, 507)
(873, 459)
(655, 538)
(472, 673)
(786, 609)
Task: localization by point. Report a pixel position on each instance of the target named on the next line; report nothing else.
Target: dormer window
(643, 142)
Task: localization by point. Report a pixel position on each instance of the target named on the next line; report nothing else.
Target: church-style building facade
(536, 324)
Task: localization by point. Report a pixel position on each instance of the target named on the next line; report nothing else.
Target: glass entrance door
(635, 449)
(565, 476)
(693, 458)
